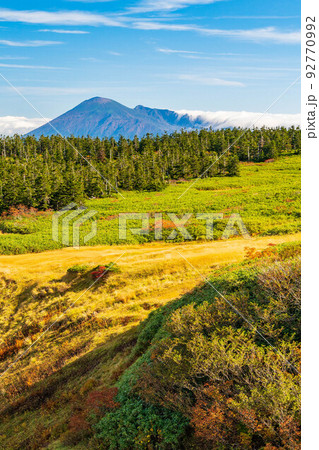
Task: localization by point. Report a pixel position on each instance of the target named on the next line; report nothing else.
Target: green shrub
(17, 227)
(138, 425)
(79, 268)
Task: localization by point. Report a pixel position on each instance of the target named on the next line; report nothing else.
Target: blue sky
(177, 54)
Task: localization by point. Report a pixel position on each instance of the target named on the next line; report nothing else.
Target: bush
(137, 425)
(78, 268)
(104, 271)
(16, 227)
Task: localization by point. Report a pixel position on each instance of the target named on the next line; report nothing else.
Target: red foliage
(21, 211)
(290, 433)
(104, 399)
(89, 412)
(78, 422)
(212, 419)
(252, 253)
(99, 272)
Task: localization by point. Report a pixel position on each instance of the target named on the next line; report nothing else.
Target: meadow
(266, 195)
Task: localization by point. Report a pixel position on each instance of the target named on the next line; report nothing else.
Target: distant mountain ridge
(103, 117)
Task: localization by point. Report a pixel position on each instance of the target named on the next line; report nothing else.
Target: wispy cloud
(28, 43)
(91, 59)
(10, 125)
(209, 81)
(187, 54)
(24, 66)
(258, 34)
(244, 119)
(65, 31)
(110, 52)
(90, 1)
(167, 5)
(100, 60)
(179, 52)
(258, 17)
(57, 18)
(267, 34)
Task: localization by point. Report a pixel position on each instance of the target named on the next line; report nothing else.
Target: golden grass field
(134, 257)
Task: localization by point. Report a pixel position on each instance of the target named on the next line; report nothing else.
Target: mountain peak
(99, 100)
(104, 117)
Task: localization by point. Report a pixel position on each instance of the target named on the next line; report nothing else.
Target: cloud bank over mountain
(10, 125)
(243, 119)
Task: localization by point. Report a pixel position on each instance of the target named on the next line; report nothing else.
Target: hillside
(49, 395)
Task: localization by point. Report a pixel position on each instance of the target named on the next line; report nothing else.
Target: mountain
(103, 117)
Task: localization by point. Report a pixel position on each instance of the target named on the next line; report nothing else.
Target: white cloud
(269, 34)
(179, 52)
(25, 66)
(167, 5)
(257, 34)
(92, 59)
(209, 81)
(259, 17)
(57, 18)
(10, 125)
(244, 119)
(151, 25)
(114, 53)
(65, 31)
(90, 1)
(28, 43)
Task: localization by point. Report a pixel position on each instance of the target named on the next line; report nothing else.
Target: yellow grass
(134, 257)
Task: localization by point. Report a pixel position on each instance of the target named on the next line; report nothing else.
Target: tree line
(50, 172)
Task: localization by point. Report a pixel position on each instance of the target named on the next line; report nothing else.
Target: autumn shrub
(223, 369)
(104, 271)
(86, 413)
(78, 268)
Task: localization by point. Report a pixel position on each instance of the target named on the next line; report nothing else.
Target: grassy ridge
(266, 195)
